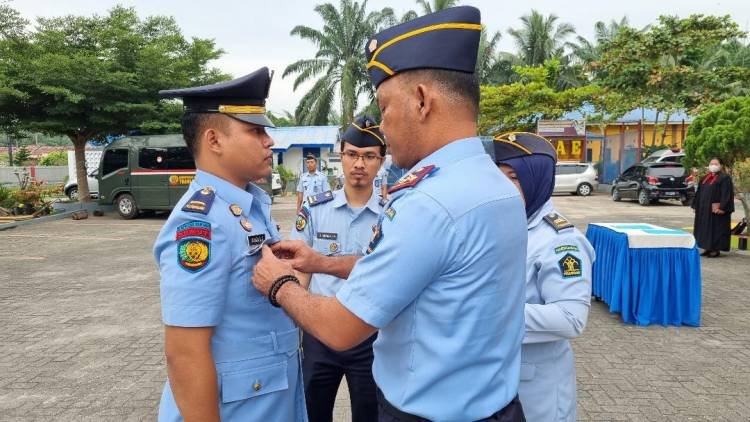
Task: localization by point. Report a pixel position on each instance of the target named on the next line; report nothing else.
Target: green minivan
(144, 173)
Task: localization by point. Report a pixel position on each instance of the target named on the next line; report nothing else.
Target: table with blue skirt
(648, 274)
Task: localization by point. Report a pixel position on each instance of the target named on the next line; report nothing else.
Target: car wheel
(643, 198)
(584, 189)
(73, 193)
(616, 195)
(126, 207)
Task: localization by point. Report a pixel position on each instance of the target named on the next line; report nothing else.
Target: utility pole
(10, 149)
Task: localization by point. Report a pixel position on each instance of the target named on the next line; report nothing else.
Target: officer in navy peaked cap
(443, 278)
(230, 355)
(558, 281)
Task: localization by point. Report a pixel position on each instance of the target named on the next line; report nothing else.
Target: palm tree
(339, 63)
(587, 52)
(486, 55)
(540, 38)
(435, 5)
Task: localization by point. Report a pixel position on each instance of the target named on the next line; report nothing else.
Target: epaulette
(557, 221)
(412, 178)
(201, 201)
(321, 198)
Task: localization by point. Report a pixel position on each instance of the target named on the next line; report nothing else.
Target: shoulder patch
(566, 248)
(411, 179)
(557, 221)
(321, 198)
(201, 201)
(302, 216)
(570, 265)
(194, 245)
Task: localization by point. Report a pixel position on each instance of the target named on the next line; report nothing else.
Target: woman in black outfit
(714, 205)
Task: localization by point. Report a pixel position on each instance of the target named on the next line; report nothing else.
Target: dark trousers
(322, 370)
(512, 412)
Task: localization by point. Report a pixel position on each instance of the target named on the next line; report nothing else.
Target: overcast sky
(255, 33)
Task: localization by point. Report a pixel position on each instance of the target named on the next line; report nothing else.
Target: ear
(212, 140)
(425, 101)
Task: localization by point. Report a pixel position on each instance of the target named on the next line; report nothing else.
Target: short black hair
(382, 147)
(193, 124)
(454, 84)
(311, 157)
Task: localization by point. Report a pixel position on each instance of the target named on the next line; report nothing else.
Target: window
(171, 158)
(566, 169)
(629, 172)
(114, 159)
(581, 168)
(673, 170)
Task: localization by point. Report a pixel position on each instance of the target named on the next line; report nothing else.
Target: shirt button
(257, 386)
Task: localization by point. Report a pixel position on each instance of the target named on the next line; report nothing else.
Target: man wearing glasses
(340, 223)
(230, 356)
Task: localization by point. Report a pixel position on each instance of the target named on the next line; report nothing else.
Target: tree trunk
(745, 200)
(79, 146)
(664, 132)
(653, 130)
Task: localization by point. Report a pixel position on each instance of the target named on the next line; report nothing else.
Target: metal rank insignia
(246, 225)
(333, 247)
(235, 210)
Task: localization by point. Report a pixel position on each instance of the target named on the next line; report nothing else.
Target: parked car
(665, 156)
(649, 182)
(576, 178)
(71, 188)
(275, 183)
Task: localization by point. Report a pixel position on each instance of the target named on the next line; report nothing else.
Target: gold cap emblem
(373, 45)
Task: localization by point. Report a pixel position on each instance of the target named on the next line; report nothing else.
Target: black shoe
(705, 252)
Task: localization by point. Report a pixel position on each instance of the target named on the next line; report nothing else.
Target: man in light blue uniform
(230, 355)
(558, 281)
(443, 279)
(337, 224)
(311, 182)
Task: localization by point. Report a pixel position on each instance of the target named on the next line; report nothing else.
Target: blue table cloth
(647, 285)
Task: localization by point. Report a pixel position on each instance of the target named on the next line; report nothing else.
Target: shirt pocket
(250, 383)
(327, 247)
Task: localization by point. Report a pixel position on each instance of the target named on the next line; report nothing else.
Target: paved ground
(81, 337)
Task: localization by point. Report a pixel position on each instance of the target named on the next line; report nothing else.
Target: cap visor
(256, 119)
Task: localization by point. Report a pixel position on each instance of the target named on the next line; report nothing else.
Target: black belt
(512, 412)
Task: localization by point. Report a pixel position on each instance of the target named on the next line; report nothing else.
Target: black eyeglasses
(367, 158)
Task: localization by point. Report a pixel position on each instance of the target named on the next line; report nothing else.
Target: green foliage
(287, 119)
(666, 67)
(540, 38)
(721, 131)
(435, 5)
(520, 105)
(741, 173)
(54, 158)
(338, 63)
(21, 157)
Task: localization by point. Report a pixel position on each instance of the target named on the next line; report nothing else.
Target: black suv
(650, 182)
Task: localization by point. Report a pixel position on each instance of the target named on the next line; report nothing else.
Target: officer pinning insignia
(320, 198)
(201, 201)
(557, 221)
(246, 225)
(235, 210)
(570, 265)
(194, 248)
(302, 217)
(390, 213)
(566, 248)
(413, 178)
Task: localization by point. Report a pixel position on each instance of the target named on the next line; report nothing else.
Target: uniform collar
(339, 200)
(537, 217)
(453, 152)
(227, 191)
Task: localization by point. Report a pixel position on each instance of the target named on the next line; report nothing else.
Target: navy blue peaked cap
(518, 144)
(242, 98)
(364, 132)
(448, 39)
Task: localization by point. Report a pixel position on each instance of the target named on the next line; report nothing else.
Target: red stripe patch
(199, 229)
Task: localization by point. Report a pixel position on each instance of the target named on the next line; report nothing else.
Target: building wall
(673, 138)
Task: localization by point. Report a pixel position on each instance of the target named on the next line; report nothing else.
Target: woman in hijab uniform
(713, 205)
(558, 281)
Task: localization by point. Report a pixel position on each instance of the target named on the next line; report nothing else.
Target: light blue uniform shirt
(334, 228)
(205, 266)
(558, 294)
(312, 184)
(445, 286)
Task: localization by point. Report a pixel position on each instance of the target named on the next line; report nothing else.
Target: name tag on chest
(328, 236)
(255, 241)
